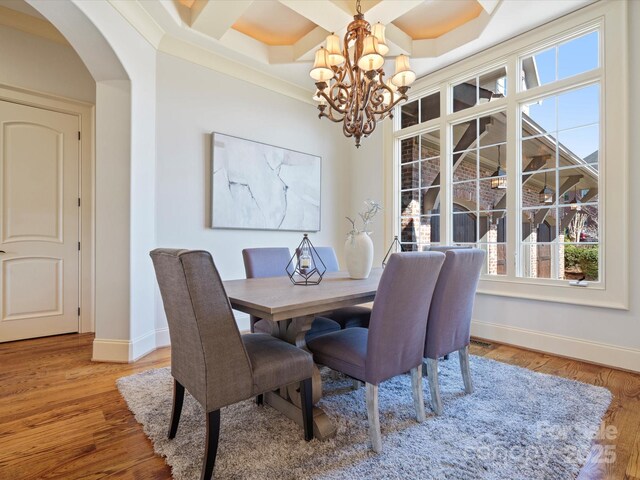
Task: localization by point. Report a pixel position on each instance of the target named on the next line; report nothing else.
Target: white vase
(358, 250)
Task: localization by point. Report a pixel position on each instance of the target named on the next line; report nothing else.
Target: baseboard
(142, 345)
(162, 337)
(128, 351)
(594, 352)
(107, 350)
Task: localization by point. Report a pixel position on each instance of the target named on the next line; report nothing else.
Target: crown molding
(32, 25)
(170, 44)
(140, 19)
(206, 58)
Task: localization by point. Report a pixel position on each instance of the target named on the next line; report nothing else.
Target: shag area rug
(517, 424)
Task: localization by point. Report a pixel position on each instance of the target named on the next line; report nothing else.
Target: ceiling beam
(386, 12)
(325, 14)
(489, 5)
(453, 39)
(309, 42)
(215, 17)
(401, 40)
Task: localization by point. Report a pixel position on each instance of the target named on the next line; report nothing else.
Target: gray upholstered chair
(272, 262)
(446, 248)
(449, 325)
(346, 317)
(443, 249)
(394, 342)
(209, 357)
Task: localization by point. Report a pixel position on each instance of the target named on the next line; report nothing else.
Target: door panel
(32, 183)
(21, 300)
(39, 230)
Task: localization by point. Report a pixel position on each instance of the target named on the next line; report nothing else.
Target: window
(478, 186)
(560, 179)
(420, 111)
(514, 162)
(420, 187)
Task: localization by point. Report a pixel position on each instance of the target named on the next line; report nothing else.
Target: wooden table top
(276, 298)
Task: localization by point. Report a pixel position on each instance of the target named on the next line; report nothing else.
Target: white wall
(599, 335)
(138, 57)
(123, 64)
(194, 101)
(366, 173)
(35, 63)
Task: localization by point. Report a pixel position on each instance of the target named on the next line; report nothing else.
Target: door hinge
(78, 246)
(78, 135)
(78, 201)
(78, 311)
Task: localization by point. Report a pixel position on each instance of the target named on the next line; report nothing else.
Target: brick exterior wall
(418, 219)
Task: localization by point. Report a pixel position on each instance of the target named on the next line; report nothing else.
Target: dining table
(290, 310)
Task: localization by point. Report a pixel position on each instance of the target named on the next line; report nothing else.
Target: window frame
(609, 19)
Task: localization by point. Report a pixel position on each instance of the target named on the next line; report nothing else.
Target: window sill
(556, 291)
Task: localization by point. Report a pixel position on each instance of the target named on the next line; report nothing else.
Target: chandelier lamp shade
(350, 79)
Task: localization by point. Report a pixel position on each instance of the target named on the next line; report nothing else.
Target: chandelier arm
(331, 117)
(347, 133)
(370, 124)
(392, 105)
(340, 87)
(331, 103)
(348, 68)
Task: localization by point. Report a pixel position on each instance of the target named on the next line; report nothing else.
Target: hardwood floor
(61, 415)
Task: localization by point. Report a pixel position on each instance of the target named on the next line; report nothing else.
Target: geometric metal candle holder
(395, 246)
(306, 267)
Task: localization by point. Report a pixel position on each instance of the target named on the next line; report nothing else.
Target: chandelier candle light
(351, 88)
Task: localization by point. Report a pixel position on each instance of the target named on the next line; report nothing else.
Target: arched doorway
(117, 57)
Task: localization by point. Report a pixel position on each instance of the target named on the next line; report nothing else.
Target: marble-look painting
(258, 186)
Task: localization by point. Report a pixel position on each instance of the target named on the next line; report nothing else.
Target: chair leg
(211, 444)
(464, 367)
(373, 415)
(355, 384)
(306, 400)
(434, 387)
(176, 409)
(260, 399)
(416, 386)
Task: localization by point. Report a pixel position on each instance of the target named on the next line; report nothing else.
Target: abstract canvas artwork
(259, 186)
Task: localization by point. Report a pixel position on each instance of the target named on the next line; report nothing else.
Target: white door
(39, 227)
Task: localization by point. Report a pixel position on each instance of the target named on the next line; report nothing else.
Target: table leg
(287, 400)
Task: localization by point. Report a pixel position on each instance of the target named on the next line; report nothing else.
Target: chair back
(449, 325)
(207, 353)
(328, 257)
(399, 315)
(446, 248)
(265, 262)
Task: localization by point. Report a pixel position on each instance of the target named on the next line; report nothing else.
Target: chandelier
(351, 88)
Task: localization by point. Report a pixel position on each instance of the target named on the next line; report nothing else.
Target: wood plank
(633, 467)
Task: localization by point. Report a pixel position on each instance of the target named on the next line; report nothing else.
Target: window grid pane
(558, 161)
(560, 179)
(479, 187)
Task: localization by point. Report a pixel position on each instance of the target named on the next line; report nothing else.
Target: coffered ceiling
(289, 31)
(272, 42)
(279, 37)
